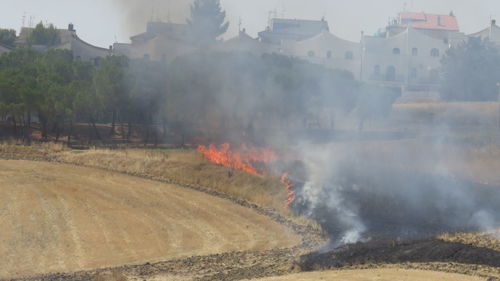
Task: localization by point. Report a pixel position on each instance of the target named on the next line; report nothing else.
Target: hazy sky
(103, 22)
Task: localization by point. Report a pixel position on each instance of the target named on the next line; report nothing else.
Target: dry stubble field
(60, 218)
(71, 218)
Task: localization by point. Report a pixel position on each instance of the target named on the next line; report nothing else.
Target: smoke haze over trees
(202, 94)
(207, 21)
(471, 72)
(139, 12)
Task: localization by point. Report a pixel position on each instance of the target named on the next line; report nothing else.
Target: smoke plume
(138, 12)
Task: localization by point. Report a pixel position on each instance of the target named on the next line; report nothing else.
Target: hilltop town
(407, 53)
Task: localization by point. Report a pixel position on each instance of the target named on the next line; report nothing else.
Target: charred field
(402, 205)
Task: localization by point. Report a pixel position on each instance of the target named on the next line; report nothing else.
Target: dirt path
(61, 218)
(376, 275)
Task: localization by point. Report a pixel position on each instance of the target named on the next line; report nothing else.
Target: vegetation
(203, 94)
(8, 37)
(42, 35)
(207, 21)
(471, 72)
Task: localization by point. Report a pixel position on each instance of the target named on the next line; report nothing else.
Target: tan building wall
(328, 50)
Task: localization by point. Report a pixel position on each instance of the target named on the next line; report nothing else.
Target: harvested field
(376, 275)
(63, 218)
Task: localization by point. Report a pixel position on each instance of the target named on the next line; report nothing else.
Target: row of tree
(205, 94)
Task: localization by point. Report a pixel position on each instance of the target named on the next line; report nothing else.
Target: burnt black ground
(402, 205)
(400, 252)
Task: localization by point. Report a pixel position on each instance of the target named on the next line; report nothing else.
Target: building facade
(410, 58)
(407, 54)
(69, 41)
(328, 50)
(161, 42)
(491, 33)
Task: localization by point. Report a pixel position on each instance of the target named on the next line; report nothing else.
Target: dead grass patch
(489, 239)
(453, 113)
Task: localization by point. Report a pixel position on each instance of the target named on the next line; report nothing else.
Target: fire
(289, 188)
(248, 159)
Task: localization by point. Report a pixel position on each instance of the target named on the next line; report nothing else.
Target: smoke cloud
(138, 12)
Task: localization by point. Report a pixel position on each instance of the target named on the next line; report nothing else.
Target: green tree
(55, 75)
(47, 36)
(110, 83)
(471, 72)
(207, 21)
(19, 88)
(8, 37)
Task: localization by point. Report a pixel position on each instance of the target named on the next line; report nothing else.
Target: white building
(69, 41)
(409, 58)
(491, 33)
(328, 50)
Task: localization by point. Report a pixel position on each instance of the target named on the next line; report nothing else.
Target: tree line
(203, 93)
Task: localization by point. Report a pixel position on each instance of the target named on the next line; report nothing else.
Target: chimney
(71, 27)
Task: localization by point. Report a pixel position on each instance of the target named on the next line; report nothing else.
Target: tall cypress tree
(207, 22)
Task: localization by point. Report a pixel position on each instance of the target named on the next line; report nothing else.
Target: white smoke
(138, 12)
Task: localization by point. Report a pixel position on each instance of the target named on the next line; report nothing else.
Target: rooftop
(429, 21)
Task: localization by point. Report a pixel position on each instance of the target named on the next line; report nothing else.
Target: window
(413, 73)
(396, 51)
(390, 74)
(376, 70)
(329, 54)
(414, 52)
(435, 53)
(311, 54)
(147, 56)
(349, 55)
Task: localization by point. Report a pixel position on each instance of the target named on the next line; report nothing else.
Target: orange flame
(289, 188)
(246, 159)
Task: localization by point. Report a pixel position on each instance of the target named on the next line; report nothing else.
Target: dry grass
(490, 239)
(16, 149)
(454, 113)
(186, 166)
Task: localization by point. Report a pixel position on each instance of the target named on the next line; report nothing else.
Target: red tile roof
(430, 21)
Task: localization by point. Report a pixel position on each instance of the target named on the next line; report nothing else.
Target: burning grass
(186, 166)
(249, 159)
